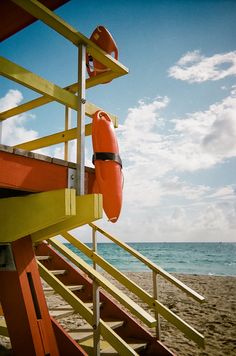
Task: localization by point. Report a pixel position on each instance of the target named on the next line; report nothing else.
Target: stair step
(61, 313)
(114, 324)
(3, 327)
(90, 304)
(136, 344)
(43, 258)
(58, 272)
(75, 287)
(85, 332)
(49, 290)
(81, 335)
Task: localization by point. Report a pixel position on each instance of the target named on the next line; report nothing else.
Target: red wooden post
(24, 305)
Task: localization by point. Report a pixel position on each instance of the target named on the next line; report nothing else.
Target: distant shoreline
(217, 259)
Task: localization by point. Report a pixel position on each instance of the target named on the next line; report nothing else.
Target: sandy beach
(215, 319)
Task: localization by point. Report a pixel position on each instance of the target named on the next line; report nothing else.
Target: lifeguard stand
(42, 197)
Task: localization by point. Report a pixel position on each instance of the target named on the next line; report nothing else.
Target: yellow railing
(155, 269)
(150, 301)
(65, 96)
(108, 334)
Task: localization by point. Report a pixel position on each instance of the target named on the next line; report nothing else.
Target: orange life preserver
(108, 165)
(102, 37)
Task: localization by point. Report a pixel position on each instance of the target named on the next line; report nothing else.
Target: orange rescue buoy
(108, 165)
(102, 37)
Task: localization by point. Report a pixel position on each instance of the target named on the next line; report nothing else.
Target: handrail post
(67, 127)
(80, 160)
(1, 131)
(94, 238)
(96, 319)
(155, 296)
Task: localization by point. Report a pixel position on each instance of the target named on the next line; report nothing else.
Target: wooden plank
(115, 340)
(41, 12)
(88, 208)
(51, 140)
(33, 81)
(189, 291)
(37, 173)
(22, 216)
(24, 305)
(72, 88)
(23, 173)
(103, 282)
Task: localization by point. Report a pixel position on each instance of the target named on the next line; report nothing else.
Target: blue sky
(176, 109)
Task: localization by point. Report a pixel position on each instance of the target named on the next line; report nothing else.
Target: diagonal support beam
(49, 90)
(88, 208)
(54, 139)
(22, 216)
(33, 81)
(41, 12)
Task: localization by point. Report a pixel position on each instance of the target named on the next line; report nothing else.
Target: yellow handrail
(189, 291)
(115, 340)
(134, 308)
(190, 332)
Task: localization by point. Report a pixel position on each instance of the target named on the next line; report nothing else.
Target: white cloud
(208, 137)
(175, 187)
(228, 192)
(13, 129)
(197, 141)
(194, 67)
(160, 206)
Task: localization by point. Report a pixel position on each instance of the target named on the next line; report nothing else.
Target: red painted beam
(22, 173)
(24, 305)
(66, 345)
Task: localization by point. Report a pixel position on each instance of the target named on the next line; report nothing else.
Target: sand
(215, 319)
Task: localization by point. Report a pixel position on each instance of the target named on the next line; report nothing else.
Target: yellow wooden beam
(111, 336)
(189, 291)
(33, 81)
(88, 208)
(52, 92)
(104, 283)
(41, 12)
(42, 100)
(190, 332)
(22, 216)
(180, 324)
(54, 139)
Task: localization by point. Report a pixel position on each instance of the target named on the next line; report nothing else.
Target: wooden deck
(22, 172)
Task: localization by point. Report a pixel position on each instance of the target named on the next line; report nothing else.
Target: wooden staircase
(125, 329)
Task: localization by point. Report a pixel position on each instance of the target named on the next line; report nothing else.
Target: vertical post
(24, 304)
(67, 127)
(94, 238)
(155, 296)
(0, 132)
(96, 319)
(80, 160)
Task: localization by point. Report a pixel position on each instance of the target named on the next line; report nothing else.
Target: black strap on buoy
(107, 156)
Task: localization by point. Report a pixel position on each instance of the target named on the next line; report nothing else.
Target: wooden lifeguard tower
(42, 197)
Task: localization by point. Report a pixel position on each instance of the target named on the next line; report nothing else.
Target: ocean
(217, 259)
